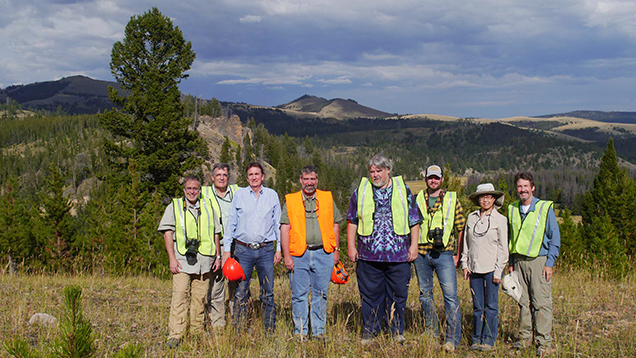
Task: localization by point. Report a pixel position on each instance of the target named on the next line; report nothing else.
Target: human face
(220, 177)
(379, 176)
(434, 183)
(309, 182)
(525, 191)
(255, 177)
(191, 191)
(486, 201)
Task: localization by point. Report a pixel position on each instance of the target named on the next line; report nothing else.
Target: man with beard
(190, 228)
(443, 217)
(534, 246)
(384, 218)
(254, 225)
(310, 239)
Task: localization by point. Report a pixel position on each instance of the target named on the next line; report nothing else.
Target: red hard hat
(232, 270)
(339, 274)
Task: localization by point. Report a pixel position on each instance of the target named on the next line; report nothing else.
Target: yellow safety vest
(527, 236)
(208, 192)
(399, 207)
(187, 226)
(444, 217)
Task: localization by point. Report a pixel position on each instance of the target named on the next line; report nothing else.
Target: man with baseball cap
(443, 221)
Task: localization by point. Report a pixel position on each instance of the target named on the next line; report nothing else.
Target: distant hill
(73, 95)
(601, 116)
(333, 108)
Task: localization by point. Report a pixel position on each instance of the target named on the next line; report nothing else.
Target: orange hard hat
(232, 270)
(339, 274)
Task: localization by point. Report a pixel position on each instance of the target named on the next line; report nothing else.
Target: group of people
(388, 228)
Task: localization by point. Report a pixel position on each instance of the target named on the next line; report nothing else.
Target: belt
(314, 247)
(254, 245)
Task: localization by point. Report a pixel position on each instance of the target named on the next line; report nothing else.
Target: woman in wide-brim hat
(485, 254)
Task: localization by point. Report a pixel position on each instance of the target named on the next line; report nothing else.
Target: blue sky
(488, 58)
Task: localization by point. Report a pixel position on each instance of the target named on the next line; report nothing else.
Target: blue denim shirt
(552, 238)
(253, 219)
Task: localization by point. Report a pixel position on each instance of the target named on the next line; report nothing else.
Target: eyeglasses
(486, 197)
(312, 211)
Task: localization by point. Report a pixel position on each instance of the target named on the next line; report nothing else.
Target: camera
(437, 235)
(192, 245)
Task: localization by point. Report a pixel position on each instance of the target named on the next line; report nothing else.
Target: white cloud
(250, 19)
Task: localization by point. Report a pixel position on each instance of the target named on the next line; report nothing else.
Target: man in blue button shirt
(254, 226)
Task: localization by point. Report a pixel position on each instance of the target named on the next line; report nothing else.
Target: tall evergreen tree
(608, 210)
(150, 127)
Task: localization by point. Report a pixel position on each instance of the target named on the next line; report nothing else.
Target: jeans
(383, 290)
(485, 308)
(442, 263)
(312, 269)
(263, 260)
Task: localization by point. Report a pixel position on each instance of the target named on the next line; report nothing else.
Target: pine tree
(225, 151)
(56, 214)
(151, 127)
(608, 210)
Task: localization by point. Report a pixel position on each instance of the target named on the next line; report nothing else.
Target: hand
(174, 266)
(496, 280)
(352, 253)
(466, 274)
(336, 257)
(226, 255)
(278, 256)
(547, 273)
(412, 253)
(289, 263)
(217, 265)
(456, 260)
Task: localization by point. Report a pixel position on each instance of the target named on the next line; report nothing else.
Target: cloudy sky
(488, 58)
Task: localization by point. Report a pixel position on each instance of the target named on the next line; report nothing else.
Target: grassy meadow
(594, 317)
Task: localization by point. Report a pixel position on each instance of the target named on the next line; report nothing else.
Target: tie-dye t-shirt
(384, 245)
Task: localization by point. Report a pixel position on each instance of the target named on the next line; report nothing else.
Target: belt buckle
(254, 246)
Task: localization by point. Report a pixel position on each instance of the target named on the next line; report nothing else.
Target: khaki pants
(216, 299)
(186, 285)
(536, 300)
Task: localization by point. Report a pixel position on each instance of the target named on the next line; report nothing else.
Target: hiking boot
(173, 342)
(399, 338)
(486, 347)
(449, 347)
(520, 344)
(475, 347)
(367, 338)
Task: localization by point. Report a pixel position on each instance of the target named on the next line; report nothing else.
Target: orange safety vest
(298, 227)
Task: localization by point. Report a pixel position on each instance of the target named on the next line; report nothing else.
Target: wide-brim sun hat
(487, 189)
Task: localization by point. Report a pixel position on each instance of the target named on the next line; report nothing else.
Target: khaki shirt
(485, 243)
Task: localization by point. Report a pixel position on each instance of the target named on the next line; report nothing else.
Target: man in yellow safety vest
(190, 228)
(220, 195)
(534, 243)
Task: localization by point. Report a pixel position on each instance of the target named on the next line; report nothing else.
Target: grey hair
(191, 177)
(308, 169)
(380, 161)
(221, 166)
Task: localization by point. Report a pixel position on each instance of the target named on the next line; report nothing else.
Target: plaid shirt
(460, 222)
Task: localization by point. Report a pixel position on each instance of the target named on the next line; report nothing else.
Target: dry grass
(593, 318)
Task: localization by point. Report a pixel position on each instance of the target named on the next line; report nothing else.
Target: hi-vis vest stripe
(399, 207)
(208, 192)
(527, 236)
(444, 216)
(298, 223)
(201, 229)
